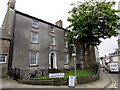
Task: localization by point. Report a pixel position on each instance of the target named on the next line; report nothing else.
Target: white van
(113, 67)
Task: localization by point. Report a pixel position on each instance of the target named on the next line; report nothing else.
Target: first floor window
(34, 37)
(3, 58)
(66, 59)
(81, 51)
(66, 43)
(53, 30)
(65, 33)
(33, 58)
(52, 40)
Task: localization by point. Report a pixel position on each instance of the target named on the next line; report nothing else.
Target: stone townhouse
(35, 44)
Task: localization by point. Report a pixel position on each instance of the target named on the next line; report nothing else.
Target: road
(115, 80)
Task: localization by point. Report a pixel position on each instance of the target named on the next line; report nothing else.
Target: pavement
(102, 82)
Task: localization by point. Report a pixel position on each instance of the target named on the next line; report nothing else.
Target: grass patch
(79, 73)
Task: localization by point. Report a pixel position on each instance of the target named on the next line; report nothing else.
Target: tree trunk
(80, 54)
(89, 56)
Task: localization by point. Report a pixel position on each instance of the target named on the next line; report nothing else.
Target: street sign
(72, 81)
(56, 75)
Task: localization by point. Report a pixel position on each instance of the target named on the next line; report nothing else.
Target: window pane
(66, 43)
(65, 58)
(33, 58)
(3, 58)
(53, 30)
(35, 24)
(52, 40)
(65, 33)
(34, 37)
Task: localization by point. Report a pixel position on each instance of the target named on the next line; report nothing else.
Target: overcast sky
(52, 11)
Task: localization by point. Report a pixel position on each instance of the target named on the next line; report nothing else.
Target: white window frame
(5, 57)
(32, 37)
(52, 40)
(35, 24)
(66, 57)
(35, 56)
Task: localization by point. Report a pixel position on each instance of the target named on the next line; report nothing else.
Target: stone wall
(81, 80)
(4, 45)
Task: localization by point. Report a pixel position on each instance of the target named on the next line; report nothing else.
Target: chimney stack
(59, 23)
(11, 4)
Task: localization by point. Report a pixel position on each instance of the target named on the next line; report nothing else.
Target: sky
(52, 11)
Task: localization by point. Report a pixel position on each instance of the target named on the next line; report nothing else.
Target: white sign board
(56, 75)
(72, 80)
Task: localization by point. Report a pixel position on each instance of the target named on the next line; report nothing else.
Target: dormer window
(35, 24)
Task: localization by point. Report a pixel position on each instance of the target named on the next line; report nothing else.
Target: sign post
(56, 75)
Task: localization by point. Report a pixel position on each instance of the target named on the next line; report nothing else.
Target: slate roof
(24, 14)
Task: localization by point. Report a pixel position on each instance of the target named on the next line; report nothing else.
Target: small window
(52, 30)
(66, 43)
(35, 24)
(3, 58)
(66, 58)
(33, 58)
(65, 33)
(81, 51)
(34, 37)
(52, 40)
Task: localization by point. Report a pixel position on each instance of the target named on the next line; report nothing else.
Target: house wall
(23, 45)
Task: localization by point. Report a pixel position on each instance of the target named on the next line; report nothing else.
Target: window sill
(35, 27)
(52, 45)
(66, 64)
(2, 62)
(52, 32)
(33, 65)
(34, 43)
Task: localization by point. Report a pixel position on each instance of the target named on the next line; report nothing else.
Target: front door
(52, 60)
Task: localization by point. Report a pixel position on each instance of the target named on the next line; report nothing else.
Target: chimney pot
(11, 4)
(59, 23)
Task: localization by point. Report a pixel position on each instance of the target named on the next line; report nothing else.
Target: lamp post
(74, 60)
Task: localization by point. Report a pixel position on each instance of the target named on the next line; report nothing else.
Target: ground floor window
(3, 58)
(33, 58)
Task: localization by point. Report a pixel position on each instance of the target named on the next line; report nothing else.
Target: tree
(91, 21)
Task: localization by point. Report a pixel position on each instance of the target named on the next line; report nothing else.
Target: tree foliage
(93, 20)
